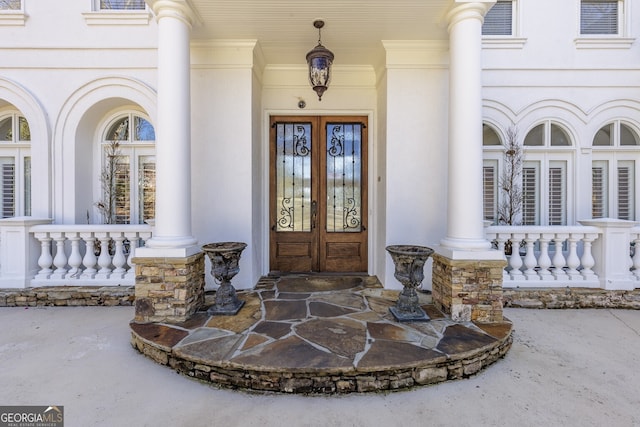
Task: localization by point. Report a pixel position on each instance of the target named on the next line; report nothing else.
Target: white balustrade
(551, 256)
(87, 254)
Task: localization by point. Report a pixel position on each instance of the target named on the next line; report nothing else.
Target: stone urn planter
(225, 257)
(409, 263)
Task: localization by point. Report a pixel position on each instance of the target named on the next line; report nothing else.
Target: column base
(468, 289)
(166, 252)
(168, 289)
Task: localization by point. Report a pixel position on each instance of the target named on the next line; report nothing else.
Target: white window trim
(513, 41)
(622, 40)
(13, 17)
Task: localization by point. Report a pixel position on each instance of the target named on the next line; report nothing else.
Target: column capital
(461, 10)
(178, 9)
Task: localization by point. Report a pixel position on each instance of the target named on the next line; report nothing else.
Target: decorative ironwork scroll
(344, 177)
(293, 176)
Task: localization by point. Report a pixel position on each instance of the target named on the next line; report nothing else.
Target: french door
(318, 194)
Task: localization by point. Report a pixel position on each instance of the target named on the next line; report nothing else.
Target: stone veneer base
(67, 296)
(111, 296)
(468, 290)
(168, 289)
(570, 298)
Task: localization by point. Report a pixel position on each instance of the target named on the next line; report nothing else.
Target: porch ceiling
(353, 28)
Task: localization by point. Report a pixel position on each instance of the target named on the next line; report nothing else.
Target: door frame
(372, 179)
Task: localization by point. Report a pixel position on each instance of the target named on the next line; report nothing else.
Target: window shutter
(599, 17)
(625, 191)
(498, 20)
(27, 186)
(8, 172)
(599, 202)
(489, 192)
(147, 190)
(529, 196)
(557, 193)
(122, 193)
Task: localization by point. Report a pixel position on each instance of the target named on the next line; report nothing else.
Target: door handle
(314, 213)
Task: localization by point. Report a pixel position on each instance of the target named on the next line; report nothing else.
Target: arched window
(614, 171)
(547, 159)
(15, 165)
(128, 174)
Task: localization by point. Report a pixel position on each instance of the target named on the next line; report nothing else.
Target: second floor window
(122, 5)
(599, 17)
(499, 19)
(10, 5)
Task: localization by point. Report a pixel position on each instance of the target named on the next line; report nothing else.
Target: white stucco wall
(415, 154)
(222, 150)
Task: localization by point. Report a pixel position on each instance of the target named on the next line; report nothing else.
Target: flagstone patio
(310, 335)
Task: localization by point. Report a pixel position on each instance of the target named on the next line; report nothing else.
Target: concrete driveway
(566, 368)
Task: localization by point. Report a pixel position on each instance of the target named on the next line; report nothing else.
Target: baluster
(515, 262)
(587, 259)
(75, 260)
(573, 262)
(45, 260)
(119, 260)
(544, 261)
(558, 258)
(60, 260)
(133, 244)
(104, 260)
(501, 240)
(530, 261)
(90, 260)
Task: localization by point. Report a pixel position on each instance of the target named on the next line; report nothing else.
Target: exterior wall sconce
(319, 60)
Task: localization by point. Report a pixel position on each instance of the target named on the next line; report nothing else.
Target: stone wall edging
(315, 382)
(109, 296)
(68, 296)
(570, 298)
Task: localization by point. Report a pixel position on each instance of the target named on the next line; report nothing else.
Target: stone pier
(468, 290)
(169, 289)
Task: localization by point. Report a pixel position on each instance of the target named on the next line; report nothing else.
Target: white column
(172, 234)
(464, 208)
